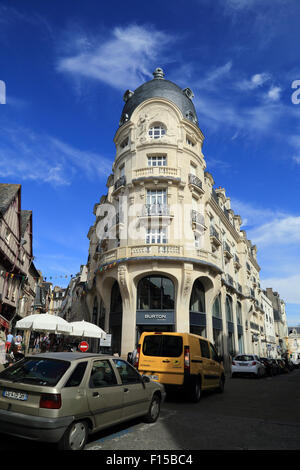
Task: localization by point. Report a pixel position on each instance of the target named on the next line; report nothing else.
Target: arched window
(197, 301)
(229, 313)
(155, 293)
(239, 313)
(216, 310)
(115, 318)
(157, 131)
(95, 311)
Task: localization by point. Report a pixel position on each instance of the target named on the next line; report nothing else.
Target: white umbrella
(44, 322)
(86, 329)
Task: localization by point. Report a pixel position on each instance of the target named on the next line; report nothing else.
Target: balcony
(197, 218)
(121, 182)
(237, 263)
(196, 183)
(229, 280)
(156, 210)
(239, 288)
(214, 238)
(157, 172)
(227, 253)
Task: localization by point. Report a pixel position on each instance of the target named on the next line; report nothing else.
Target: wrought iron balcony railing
(197, 217)
(193, 179)
(120, 182)
(156, 210)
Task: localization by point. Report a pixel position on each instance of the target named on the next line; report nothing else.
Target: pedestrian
(9, 340)
(133, 356)
(2, 346)
(18, 340)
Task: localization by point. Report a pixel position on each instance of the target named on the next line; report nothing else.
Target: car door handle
(96, 394)
(126, 390)
(167, 360)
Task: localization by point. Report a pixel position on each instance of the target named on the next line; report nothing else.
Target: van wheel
(75, 436)
(154, 410)
(195, 391)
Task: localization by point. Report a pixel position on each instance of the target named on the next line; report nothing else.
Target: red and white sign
(83, 346)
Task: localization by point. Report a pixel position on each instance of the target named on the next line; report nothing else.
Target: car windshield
(163, 346)
(244, 358)
(38, 371)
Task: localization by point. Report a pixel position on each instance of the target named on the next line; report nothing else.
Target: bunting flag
(10, 275)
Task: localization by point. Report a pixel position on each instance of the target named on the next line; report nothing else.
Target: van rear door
(162, 358)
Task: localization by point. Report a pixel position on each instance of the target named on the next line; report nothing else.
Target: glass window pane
(102, 375)
(127, 373)
(155, 293)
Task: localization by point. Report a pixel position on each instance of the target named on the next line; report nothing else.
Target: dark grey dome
(159, 88)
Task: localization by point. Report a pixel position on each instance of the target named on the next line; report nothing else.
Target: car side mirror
(146, 379)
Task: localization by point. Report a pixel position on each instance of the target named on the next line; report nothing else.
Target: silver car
(63, 397)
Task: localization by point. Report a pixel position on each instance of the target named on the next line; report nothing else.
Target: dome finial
(158, 73)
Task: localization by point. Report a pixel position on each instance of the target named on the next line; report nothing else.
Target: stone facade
(167, 251)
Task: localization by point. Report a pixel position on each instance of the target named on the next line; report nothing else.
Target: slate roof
(7, 194)
(25, 217)
(161, 88)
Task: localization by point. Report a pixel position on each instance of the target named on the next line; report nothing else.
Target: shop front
(155, 305)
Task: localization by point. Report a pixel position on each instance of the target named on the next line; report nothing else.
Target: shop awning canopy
(44, 322)
(86, 330)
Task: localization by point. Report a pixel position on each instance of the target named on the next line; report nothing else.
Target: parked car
(63, 397)
(271, 369)
(181, 361)
(247, 364)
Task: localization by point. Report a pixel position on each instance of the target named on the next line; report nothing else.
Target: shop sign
(106, 342)
(155, 318)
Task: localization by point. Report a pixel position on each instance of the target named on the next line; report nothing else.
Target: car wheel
(75, 436)
(195, 391)
(154, 410)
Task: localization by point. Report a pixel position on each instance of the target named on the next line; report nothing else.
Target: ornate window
(155, 293)
(197, 301)
(157, 131)
(157, 160)
(229, 313)
(216, 310)
(156, 235)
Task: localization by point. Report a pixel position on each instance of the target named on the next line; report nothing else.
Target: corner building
(166, 250)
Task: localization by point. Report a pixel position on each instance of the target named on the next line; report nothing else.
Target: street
(252, 414)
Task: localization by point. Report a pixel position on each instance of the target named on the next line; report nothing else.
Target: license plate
(243, 364)
(153, 377)
(15, 395)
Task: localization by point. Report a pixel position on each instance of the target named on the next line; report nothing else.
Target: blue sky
(66, 65)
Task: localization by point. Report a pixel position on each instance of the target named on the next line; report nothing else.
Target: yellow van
(180, 360)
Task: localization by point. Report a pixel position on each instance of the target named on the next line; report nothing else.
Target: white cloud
(256, 81)
(280, 231)
(274, 93)
(213, 78)
(288, 287)
(123, 60)
(26, 155)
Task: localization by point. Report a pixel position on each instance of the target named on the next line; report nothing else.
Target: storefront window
(229, 314)
(216, 310)
(197, 302)
(155, 293)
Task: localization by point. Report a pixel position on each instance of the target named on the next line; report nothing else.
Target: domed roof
(159, 88)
